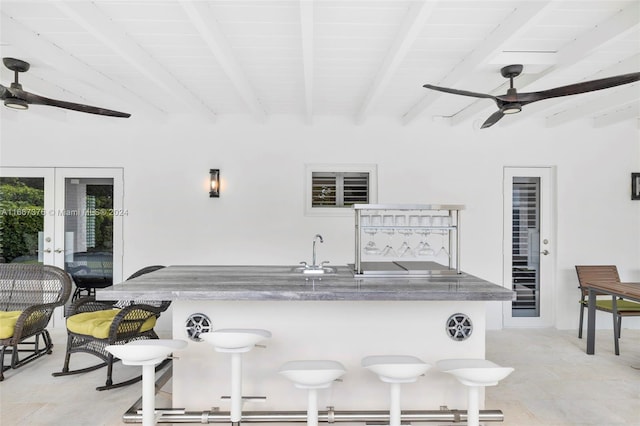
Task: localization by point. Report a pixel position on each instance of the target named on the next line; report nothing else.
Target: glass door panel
(26, 215)
(528, 246)
(88, 233)
(88, 230)
(21, 220)
(525, 254)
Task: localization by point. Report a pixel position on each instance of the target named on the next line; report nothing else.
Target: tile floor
(555, 384)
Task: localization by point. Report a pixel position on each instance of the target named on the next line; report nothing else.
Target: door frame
(63, 173)
(548, 290)
(54, 205)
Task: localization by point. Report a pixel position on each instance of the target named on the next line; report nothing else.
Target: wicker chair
(93, 325)
(604, 273)
(29, 293)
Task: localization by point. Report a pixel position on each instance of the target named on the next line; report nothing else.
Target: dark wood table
(630, 291)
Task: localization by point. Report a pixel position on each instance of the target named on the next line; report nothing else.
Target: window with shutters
(333, 189)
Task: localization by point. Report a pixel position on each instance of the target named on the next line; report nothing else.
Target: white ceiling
(356, 58)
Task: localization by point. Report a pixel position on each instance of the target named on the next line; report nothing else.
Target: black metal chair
(90, 270)
(93, 325)
(29, 293)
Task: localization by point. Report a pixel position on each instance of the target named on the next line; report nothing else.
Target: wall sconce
(214, 183)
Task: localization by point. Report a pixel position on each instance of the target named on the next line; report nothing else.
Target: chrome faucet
(313, 259)
(314, 268)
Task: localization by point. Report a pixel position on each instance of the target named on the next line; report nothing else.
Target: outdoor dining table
(629, 291)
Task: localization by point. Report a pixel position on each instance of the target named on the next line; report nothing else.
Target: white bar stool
(395, 370)
(147, 353)
(474, 373)
(235, 341)
(312, 375)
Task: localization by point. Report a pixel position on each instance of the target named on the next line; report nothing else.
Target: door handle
(58, 250)
(47, 250)
(545, 252)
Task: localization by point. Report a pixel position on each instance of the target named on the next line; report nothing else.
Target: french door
(529, 243)
(67, 217)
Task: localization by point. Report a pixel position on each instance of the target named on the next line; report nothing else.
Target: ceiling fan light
(16, 103)
(511, 109)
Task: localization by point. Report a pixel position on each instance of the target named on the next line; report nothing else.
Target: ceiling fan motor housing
(16, 64)
(511, 71)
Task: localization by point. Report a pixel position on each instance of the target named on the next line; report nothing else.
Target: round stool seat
(396, 368)
(142, 352)
(146, 353)
(474, 372)
(235, 339)
(312, 374)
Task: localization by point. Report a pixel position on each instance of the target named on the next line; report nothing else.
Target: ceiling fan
(16, 98)
(512, 102)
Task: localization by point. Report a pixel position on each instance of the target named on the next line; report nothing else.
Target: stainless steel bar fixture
(420, 219)
(445, 415)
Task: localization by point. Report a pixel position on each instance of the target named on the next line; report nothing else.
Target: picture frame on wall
(635, 186)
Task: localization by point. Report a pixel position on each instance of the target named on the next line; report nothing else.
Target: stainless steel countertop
(192, 282)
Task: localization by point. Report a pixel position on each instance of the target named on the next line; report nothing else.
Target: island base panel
(338, 330)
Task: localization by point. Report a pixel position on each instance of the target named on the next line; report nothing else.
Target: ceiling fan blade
(459, 92)
(574, 89)
(41, 100)
(4, 92)
(493, 119)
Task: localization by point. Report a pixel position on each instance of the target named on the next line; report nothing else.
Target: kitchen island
(332, 316)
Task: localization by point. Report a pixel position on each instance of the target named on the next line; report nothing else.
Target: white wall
(259, 217)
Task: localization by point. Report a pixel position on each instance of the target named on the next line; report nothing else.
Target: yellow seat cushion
(8, 321)
(97, 323)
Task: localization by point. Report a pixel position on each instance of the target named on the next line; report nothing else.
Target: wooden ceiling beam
(91, 19)
(411, 27)
(617, 26)
(200, 16)
(626, 112)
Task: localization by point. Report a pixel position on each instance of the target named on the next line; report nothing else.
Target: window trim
(372, 169)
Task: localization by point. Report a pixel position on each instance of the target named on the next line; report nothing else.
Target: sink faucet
(313, 259)
(314, 268)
